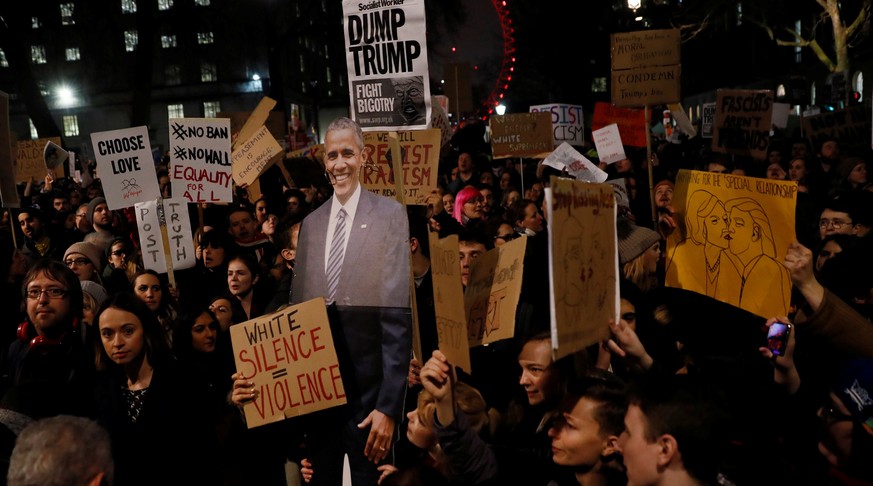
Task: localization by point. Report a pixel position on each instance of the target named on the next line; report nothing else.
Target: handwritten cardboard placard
(448, 298)
(254, 156)
(492, 293)
(8, 190)
(200, 159)
(583, 263)
(127, 170)
(732, 236)
(290, 357)
(646, 86)
(707, 119)
(252, 123)
(178, 231)
(607, 140)
(632, 124)
(521, 134)
(29, 161)
(439, 119)
(742, 122)
(568, 122)
(851, 126)
(388, 71)
(420, 151)
(645, 48)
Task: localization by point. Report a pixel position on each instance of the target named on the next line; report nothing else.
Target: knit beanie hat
(846, 166)
(664, 182)
(633, 240)
(91, 205)
(89, 251)
(855, 388)
(95, 290)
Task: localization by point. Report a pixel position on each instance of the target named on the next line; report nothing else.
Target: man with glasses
(835, 218)
(48, 360)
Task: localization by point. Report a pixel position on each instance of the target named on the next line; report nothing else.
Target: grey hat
(634, 240)
(91, 205)
(95, 290)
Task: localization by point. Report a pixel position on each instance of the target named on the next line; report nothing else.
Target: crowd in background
(684, 392)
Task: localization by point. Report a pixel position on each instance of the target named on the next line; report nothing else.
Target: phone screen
(777, 338)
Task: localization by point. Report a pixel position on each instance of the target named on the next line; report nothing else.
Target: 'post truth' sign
(290, 357)
(178, 232)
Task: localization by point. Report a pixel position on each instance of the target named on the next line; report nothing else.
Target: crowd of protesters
(684, 392)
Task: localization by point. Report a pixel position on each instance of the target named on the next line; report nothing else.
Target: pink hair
(463, 196)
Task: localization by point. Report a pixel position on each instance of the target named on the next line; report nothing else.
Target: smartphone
(777, 337)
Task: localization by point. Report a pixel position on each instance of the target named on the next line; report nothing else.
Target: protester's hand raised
(625, 343)
(784, 370)
(243, 390)
(436, 376)
(798, 261)
(414, 377)
(434, 203)
(306, 470)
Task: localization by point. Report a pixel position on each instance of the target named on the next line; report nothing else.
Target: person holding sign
(354, 252)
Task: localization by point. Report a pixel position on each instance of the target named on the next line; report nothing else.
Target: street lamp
(500, 109)
(634, 4)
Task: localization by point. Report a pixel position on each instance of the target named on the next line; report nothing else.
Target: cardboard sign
(439, 119)
(291, 358)
(742, 122)
(682, 120)
(253, 122)
(492, 293)
(30, 161)
(127, 170)
(200, 159)
(851, 126)
(521, 134)
(583, 263)
(607, 140)
(645, 48)
(632, 124)
(421, 151)
(8, 189)
(646, 86)
(386, 55)
(252, 158)
(568, 123)
(732, 236)
(448, 298)
(576, 164)
(178, 232)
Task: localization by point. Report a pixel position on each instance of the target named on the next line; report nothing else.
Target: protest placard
(742, 122)
(851, 126)
(290, 357)
(568, 122)
(30, 161)
(583, 263)
(8, 190)
(492, 293)
(200, 159)
(607, 140)
(448, 299)
(732, 235)
(632, 124)
(127, 170)
(707, 119)
(251, 158)
(576, 164)
(521, 134)
(178, 226)
(420, 151)
(386, 55)
(645, 67)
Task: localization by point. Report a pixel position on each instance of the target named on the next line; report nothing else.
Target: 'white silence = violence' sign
(178, 232)
(290, 357)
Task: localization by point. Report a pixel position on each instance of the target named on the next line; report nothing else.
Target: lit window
(67, 14)
(812, 93)
(173, 74)
(34, 134)
(327, 74)
(303, 86)
(302, 64)
(326, 52)
(3, 61)
(37, 54)
(130, 40)
(168, 41)
(798, 50)
(165, 4)
(598, 85)
(176, 111)
(43, 89)
(858, 85)
(202, 3)
(205, 38)
(208, 72)
(72, 53)
(780, 91)
(211, 108)
(35, 23)
(71, 126)
(128, 6)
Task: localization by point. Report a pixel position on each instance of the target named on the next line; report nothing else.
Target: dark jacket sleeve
(472, 460)
(841, 325)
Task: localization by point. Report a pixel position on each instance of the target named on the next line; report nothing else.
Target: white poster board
(607, 140)
(178, 232)
(568, 122)
(200, 159)
(126, 167)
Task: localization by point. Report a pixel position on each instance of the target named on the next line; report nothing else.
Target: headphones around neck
(43, 343)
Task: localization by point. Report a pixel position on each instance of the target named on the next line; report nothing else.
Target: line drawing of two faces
(740, 230)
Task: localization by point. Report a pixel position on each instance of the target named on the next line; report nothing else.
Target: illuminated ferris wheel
(507, 65)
